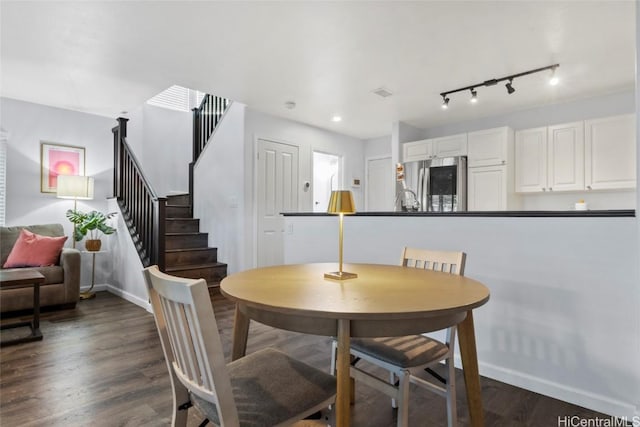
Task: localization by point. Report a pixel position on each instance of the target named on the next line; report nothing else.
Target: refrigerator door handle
(424, 195)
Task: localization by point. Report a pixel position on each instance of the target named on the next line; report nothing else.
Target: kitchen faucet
(413, 207)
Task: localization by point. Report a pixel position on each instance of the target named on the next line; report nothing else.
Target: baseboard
(143, 303)
(593, 401)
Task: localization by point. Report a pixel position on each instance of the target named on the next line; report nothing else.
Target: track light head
(474, 96)
(445, 102)
(509, 86)
(553, 80)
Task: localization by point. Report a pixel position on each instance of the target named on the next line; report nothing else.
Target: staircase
(163, 229)
(187, 253)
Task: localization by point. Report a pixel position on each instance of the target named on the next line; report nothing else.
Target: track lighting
(509, 85)
(445, 102)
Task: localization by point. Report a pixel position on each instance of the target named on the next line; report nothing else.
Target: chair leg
(392, 381)
(452, 414)
(403, 398)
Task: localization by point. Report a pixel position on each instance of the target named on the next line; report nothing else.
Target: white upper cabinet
(610, 153)
(450, 146)
(550, 158)
(531, 160)
(565, 157)
(446, 146)
(417, 150)
(489, 147)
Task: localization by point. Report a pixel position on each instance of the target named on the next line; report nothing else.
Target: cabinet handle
(550, 188)
(588, 187)
(544, 189)
(503, 162)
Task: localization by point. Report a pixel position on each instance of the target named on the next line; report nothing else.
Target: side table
(23, 279)
(88, 294)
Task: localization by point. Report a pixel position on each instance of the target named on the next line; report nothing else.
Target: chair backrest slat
(445, 261)
(190, 340)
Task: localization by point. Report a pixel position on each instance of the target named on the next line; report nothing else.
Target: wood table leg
(467, 341)
(240, 334)
(36, 309)
(343, 374)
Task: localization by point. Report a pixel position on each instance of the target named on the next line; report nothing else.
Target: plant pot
(93, 245)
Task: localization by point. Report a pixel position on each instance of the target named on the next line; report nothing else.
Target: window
(177, 98)
(3, 174)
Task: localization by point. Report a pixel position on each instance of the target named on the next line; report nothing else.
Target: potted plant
(92, 223)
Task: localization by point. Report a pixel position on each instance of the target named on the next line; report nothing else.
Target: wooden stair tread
(195, 266)
(189, 249)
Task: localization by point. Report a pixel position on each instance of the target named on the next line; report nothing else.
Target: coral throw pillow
(34, 250)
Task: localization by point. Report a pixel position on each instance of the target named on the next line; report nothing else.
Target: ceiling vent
(383, 92)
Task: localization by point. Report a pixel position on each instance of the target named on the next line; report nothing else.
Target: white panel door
(380, 185)
(487, 188)
(610, 153)
(565, 157)
(531, 160)
(278, 170)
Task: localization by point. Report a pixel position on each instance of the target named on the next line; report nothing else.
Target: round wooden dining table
(384, 300)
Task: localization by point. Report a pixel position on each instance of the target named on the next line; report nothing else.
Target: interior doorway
(380, 185)
(327, 176)
(277, 170)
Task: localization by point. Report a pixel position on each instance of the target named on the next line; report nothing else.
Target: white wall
(28, 124)
(219, 190)
(126, 281)
(563, 317)
(308, 138)
(590, 108)
(161, 140)
(377, 147)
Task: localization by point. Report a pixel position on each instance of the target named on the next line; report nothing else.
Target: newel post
(119, 133)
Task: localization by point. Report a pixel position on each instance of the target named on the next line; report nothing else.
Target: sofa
(62, 281)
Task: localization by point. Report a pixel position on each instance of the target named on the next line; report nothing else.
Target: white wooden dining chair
(265, 388)
(407, 358)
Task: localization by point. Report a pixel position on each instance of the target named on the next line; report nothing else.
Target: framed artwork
(58, 159)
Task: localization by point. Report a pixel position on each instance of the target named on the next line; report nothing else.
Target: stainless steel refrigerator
(435, 185)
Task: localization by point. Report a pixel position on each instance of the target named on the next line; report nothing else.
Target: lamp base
(340, 275)
(87, 295)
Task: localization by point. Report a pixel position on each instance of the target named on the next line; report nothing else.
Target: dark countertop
(532, 214)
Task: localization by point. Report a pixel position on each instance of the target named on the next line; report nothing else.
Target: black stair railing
(143, 211)
(205, 121)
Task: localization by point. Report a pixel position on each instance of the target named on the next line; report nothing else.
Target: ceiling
(327, 57)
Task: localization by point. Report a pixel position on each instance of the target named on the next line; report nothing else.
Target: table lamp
(341, 203)
(77, 188)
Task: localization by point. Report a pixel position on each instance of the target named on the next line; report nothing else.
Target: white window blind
(3, 178)
(177, 98)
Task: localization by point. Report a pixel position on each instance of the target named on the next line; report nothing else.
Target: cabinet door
(488, 147)
(487, 188)
(450, 146)
(565, 157)
(417, 150)
(531, 160)
(610, 153)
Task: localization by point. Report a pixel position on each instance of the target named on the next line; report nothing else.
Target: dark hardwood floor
(101, 365)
